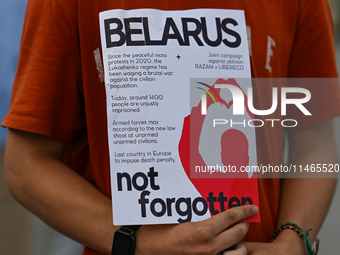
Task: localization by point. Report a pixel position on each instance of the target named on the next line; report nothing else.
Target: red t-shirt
(59, 90)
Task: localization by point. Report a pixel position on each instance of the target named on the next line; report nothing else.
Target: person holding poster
(99, 104)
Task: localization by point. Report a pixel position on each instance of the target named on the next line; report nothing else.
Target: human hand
(208, 237)
(238, 249)
(265, 249)
(287, 242)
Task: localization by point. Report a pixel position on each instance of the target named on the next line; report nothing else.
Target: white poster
(150, 57)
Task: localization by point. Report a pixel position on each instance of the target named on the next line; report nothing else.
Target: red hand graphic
(220, 192)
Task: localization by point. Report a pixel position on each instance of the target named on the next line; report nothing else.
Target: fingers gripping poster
(171, 77)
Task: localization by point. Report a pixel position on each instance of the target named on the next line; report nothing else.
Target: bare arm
(304, 201)
(38, 179)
